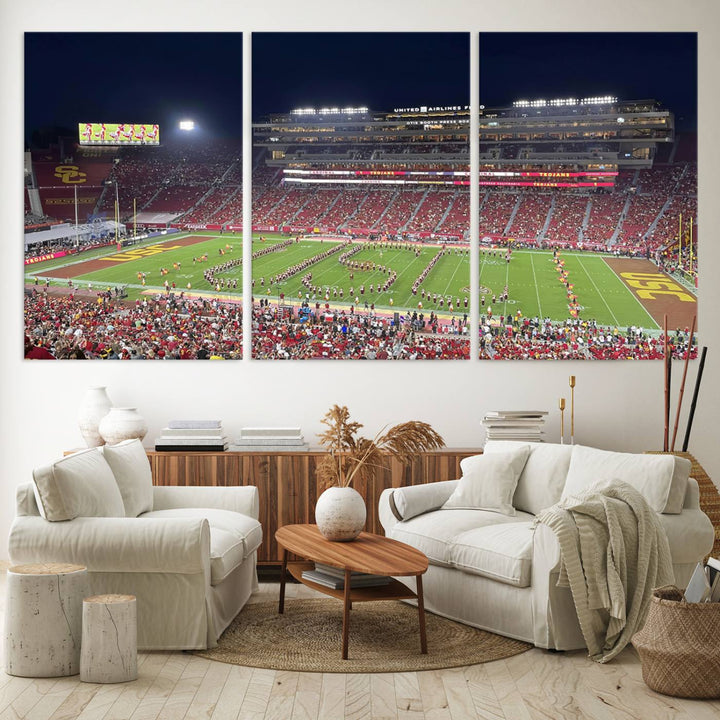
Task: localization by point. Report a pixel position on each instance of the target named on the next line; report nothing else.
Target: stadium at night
(362, 242)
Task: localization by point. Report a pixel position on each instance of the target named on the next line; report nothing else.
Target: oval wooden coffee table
(368, 553)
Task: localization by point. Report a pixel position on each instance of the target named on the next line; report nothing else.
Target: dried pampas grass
(354, 457)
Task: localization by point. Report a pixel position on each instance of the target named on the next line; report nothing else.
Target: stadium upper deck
(586, 133)
(328, 136)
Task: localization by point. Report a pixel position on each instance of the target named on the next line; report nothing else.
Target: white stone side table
(109, 639)
(43, 619)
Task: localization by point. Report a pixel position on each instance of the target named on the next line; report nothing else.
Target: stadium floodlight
(186, 125)
(599, 100)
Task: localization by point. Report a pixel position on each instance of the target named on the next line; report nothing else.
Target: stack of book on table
(264, 439)
(521, 425)
(334, 577)
(187, 435)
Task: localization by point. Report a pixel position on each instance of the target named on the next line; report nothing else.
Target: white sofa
(187, 553)
(492, 569)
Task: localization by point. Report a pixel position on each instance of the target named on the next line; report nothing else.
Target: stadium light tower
(187, 125)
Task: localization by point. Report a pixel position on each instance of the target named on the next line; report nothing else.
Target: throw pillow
(79, 485)
(660, 479)
(131, 468)
(488, 482)
(542, 480)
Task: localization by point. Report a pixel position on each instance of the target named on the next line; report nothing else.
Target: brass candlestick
(572, 409)
(561, 405)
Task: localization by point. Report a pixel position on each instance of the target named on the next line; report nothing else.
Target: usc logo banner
(70, 174)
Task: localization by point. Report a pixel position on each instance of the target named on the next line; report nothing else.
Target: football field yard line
(537, 289)
(507, 285)
(450, 281)
(597, 289)
(653, 322)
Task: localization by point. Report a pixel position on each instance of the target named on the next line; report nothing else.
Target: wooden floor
(177, 686)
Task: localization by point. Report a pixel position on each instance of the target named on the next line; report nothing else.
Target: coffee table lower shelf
(394, 590)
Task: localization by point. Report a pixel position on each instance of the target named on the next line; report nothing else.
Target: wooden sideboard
(286, 482)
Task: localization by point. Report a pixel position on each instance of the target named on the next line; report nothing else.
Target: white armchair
(190, 560)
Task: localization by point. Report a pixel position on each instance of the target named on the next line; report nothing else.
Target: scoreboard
(118, 134)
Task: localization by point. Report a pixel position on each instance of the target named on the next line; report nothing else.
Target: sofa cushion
(131, 468)
(501, 552)
(227, 552)
(488, 482)
(434, 533)
(660, 479)
(79, 485)
(233, 536)
(542, 480)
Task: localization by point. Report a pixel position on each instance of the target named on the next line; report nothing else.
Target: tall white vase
(340, 513)
(122, 424)
(96, 404)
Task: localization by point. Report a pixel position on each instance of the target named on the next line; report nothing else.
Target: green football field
(535, 289)
(531, 276)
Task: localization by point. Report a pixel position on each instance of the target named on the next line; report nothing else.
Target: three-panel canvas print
(392, 217)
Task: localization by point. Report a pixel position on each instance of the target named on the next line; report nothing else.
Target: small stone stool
(109, 639)
(43, 619)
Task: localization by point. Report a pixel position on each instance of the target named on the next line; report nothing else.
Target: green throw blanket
(614, 552)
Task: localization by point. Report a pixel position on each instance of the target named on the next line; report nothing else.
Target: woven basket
(680, 646)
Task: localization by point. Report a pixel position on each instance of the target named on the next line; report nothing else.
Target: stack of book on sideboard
(521, 425)
(333, 577)
(264, 439)
(192, 435)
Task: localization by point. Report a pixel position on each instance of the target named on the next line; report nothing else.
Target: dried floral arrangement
(354, 457)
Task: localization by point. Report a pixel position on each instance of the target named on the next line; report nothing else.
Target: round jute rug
(384, 637)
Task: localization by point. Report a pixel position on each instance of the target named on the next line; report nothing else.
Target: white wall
(619, 405)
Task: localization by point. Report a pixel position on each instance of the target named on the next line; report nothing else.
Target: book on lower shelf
(334, 578)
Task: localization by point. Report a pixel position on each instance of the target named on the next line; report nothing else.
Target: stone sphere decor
(95, 405)
(340, 514)
(122, 424)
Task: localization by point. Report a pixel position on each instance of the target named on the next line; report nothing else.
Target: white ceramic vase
(340, 513)
(96, 404)
(122, 424)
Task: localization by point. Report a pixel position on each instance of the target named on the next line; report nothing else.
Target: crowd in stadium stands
(232, 212)
(432, 210)
(345, 208)
(516, 338)
(69, 245)
(530, 216)
(372, 208)
(201, 182)
(457, 219)
(568, 215)
(317, 206)
(206, 211)
(164, 327)
(605, 214)
(401, 210)
(331, 334)
(496, 209)
(140, 173)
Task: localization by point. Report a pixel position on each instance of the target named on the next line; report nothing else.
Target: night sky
(379, 70)
(162, 77)
(631, 66)
(134, 77)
